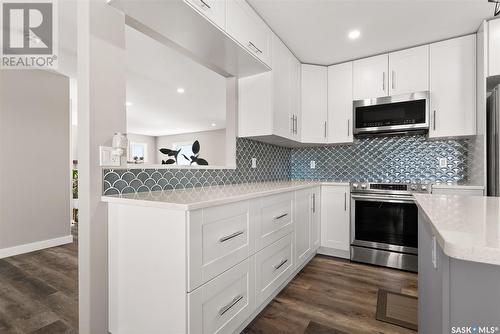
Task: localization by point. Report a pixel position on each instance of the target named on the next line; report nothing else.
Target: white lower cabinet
(208, 270)
(275, 219)
(303, 226)
(221, 305)
(274, 264)
(335, 220)
(219, 238)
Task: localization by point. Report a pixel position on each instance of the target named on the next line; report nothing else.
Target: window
(186, 150)
(137, 152)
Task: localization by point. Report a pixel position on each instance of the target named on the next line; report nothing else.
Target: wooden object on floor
(397, 308)
(332, 295)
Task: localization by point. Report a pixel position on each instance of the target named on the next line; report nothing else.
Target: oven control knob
(355, 185)
(423, 187)
(413, 187)
(363, 186)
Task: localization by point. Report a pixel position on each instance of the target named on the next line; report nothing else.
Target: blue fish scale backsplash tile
(273, 164)
(384, 159)
(376, 159)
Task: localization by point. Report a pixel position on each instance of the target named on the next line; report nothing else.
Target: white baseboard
(334, 252)
(34, 246)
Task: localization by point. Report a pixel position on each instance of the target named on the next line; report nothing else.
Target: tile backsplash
(384, 159)
(273, 164)
(375, 159)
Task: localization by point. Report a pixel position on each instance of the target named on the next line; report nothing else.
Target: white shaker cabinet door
(314, 106)
(340, 103)
(409, 70)
(335, 218)
(214, 10)
(370, 77)
(453, 87)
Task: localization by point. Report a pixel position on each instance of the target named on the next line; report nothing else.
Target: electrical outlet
(254, 162)
(443, 162)
(312, 164)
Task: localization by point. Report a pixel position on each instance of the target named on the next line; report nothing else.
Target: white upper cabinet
(494, 47)
(214, 10)
(340, 103)
(245, 26)
(409, 70)
(370, 77)
(453, 87)
(269, 103)
(314, 83)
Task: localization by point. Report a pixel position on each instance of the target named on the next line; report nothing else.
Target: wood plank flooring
(39, 294)
(333, 296)
(39, 291)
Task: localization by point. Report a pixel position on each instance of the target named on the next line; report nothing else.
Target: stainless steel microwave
(391, 114)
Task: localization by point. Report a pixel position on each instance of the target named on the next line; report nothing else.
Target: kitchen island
(458, 264)
(208, 260)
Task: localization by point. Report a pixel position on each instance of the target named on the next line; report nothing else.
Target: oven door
(387, 222)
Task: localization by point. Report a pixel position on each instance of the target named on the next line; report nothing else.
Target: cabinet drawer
(221, 305)
(245, 26)
(275, 219)
(214, 10)
(219, 238)
(274, 265)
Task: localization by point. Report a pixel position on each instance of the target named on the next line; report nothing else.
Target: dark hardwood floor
(333, 296)
(39, 294)
(39, 291)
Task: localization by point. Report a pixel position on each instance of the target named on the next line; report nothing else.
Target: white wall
(34, 157)
(101, 113)
(150, 141)
(212, 143)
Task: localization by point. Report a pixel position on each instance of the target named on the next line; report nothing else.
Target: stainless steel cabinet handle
(295, 124)
(233, 302)
(434, 120)
(292, 119)
(203, 3)
(280, 216)
(325, 129)
(383, 81)
(314, 202)
(231, 236)
(279, 265)
(255, 49)
(345, 201)
(348, 127)
(393, 79)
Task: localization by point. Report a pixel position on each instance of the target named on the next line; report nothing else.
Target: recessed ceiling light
(128, 104)
(354, 34)
(180, 90)
(213, 124)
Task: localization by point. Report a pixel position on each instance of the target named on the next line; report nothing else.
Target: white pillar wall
(101, 113)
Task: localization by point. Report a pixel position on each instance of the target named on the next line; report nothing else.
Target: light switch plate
(443, 162)
(254, 162)
(312, 163)
(107, 158)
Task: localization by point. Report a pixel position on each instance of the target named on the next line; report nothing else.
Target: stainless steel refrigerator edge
(493, 144)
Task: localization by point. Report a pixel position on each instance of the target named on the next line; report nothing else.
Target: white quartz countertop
(466, 227)
(202, 197)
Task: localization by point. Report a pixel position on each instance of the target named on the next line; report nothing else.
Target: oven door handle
(384, 198)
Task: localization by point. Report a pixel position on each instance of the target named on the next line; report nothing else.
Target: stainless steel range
(384, 220)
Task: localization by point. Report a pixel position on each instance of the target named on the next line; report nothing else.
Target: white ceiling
(154, 72)
(316, 30)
